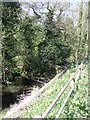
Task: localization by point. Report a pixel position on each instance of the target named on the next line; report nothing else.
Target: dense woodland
(39, 38)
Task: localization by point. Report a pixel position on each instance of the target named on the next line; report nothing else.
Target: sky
(73, 7)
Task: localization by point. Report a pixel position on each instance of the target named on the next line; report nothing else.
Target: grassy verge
(77, 106)
(42, 103)
(2, 113)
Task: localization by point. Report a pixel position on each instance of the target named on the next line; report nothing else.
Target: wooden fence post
(73, 84)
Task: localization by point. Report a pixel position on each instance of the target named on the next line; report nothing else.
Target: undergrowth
(76, 106)
(39, 107)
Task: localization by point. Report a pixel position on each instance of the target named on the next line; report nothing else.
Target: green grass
(40, 106)
(76, 106)
(2, 113)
